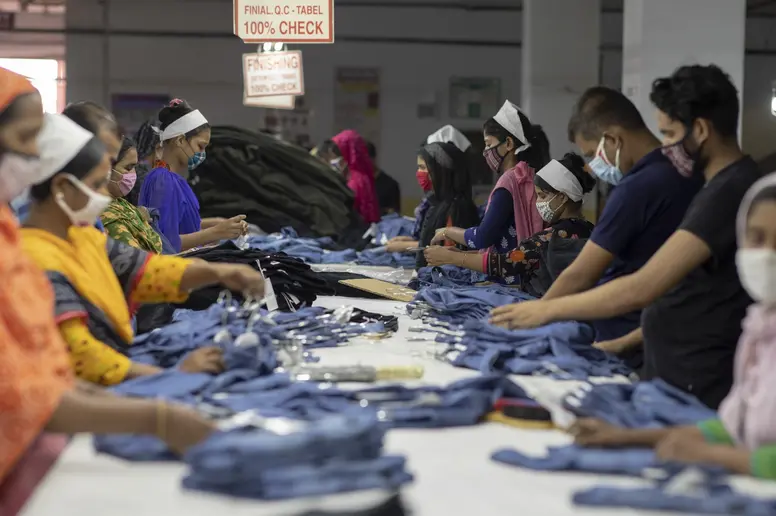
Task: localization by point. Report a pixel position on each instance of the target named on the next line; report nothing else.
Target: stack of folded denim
(701, 491)
(449, 276)
(562, 350)
(456, 304)
(630, 461)
(391, 226)
(379, 257)
(653, 404)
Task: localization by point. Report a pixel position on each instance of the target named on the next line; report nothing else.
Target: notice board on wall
(357, 102)
(133, 109)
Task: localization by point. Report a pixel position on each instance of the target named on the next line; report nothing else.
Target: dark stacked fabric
(276, 184)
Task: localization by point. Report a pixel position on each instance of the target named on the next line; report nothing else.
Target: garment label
(284, 21)
(270, 300)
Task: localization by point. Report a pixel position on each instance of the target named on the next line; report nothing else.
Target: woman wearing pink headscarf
(362, 175)
(743, 438)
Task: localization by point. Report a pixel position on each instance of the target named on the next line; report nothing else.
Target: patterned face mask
(197, 159)
(493, 158)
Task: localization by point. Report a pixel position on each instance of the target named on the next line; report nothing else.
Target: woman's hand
(614, 346)
(400, 246)
(229, 229)
(240, 278)
(438, 255)
(683, 446)
(203, 360)
(439, 236)
(527, 314)
(183, 428)
(595, 433)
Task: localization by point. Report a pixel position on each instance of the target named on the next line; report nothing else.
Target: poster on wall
(132, 109)
(474, 97)
(357, 102)
(273, 74)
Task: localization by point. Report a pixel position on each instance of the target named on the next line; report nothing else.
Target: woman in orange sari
(37, 390)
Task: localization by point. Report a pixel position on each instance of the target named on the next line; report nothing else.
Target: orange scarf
(12, 85)
(36, 366)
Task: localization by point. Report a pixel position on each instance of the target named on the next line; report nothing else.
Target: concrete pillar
(662, 35)
(561, 59)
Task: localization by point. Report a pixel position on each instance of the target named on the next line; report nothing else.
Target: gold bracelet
(161, 420)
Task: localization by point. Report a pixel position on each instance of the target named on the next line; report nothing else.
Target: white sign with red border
(284, 21)
(271, 74)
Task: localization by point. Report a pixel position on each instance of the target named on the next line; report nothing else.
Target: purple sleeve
(161, 193)
(497, 217)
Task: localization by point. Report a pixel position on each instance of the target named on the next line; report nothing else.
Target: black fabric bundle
(289, 276)
(276, 184)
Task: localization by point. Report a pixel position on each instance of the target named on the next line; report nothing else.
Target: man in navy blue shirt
(645, 207)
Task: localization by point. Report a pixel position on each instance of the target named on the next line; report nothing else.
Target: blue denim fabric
(449, 276)
(169, 385)
(460, 304)
(380, 257)
(135, 448)
(573, 458)
(653, 404)
(392, 226)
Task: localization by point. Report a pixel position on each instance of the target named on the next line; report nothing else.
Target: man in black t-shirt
(693, 300)
(386, 187)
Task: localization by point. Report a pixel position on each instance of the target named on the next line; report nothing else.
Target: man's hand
(526, 314)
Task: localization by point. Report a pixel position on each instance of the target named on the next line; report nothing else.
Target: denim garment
(380, 257)
(573, 458)
(460, 304)
(449, 276)
(653, 404)
(391, 226)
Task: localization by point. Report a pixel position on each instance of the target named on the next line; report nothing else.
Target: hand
(400, 246)
(437, 256)
(184, 428)
(595, 433)
(230, 228)
(401, 239)
(144, 213)
(528, 314)
(203, 360)
(240, 278)
(683, 446)
(614, 346)
(439, 236)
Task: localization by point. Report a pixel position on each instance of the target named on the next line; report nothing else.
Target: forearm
(643, 437)
(617, 297)
(80, 412)
(632, 340)
(571, 281)
(136, 370)
(456, 235)
(733, 459)
(209, 222)
(199, 274)
(192, 240)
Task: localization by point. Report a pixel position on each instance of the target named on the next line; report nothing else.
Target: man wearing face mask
(185, 134)
(693, 300)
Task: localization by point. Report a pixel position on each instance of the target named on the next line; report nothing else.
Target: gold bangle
(161, 419)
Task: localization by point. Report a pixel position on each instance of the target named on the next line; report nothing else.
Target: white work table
(452, 467)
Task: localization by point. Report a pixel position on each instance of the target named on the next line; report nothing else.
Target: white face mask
(17, 172)
(88, 215)
(757, 272)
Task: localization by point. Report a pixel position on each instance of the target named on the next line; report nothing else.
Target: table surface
(452, 467)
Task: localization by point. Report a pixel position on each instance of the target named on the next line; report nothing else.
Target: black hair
(82, 163)
(538, 154)
(92, 117)
(126, 144)
(371, 150)
(598, 109)
(177, 109)
(576, 165)
(10, 111)
(452, 196)
(697, 91)
(147, 139)
(329, 147)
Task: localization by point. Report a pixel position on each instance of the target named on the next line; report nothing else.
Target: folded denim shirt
(629, 461)
(652, 404)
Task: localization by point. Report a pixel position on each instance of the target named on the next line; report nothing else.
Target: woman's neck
(48, 217)
(175, 164)
(510, 162)
(571, 213)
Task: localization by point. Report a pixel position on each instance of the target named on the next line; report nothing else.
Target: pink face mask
(127, 182)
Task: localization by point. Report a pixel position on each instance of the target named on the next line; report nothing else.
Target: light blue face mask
(603, 168)
(197, 159)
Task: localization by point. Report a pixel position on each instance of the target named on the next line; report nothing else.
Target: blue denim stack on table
(563, 350)
(458, 304)
(337, 454)
(379, 257)
(449, 276)
(630, 462)
(653, 404)
(391, 226)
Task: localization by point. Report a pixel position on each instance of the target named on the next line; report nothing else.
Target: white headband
(508, 117)
(560, 178)
(183, 125)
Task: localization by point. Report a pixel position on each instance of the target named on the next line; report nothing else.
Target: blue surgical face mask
(603, 168)
(197, 159)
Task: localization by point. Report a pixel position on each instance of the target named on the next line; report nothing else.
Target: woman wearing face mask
(329, 153)
(559, 187)
(514, 149)
(149, 149)
(361, 174)
(38, 390)
(123, 221)
(743, 439)
(99, 282)
(185, 134)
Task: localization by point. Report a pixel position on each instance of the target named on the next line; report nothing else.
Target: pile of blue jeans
(560, 350)
(449, 276)
(630, 461)
(459, 304)
(653, 404)
(337, 454)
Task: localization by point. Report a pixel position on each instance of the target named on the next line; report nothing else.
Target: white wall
(204, 67)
